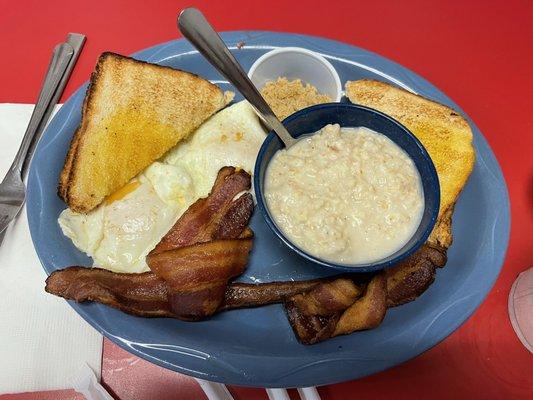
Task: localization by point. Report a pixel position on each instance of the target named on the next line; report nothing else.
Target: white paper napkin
(43, 342)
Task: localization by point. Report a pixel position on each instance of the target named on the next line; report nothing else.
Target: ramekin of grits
(357, 192)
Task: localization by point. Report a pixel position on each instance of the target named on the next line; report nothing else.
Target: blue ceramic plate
(256, 347)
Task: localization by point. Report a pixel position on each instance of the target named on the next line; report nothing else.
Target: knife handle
(60, 58)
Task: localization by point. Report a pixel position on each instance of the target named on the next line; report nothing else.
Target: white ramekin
(297, 63)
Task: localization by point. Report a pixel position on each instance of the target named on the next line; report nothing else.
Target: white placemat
(43, 342)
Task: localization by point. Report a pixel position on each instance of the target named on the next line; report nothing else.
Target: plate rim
(302, 379)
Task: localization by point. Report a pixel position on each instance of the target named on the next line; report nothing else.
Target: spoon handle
(194, 26)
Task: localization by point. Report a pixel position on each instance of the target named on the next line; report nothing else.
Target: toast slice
(444, 133)
(133, 113)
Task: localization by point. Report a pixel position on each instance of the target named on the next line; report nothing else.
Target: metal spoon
(194, 26)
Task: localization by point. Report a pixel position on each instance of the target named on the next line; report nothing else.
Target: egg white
(119, 235)
(230, 138)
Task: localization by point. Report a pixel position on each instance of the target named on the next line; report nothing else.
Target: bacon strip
(146, 295)
(143, 294)
(216, 216)
(319, 315)
(240, 295)
(368, 311)
(409, 279)
(197, 275)
(314, 315)
(206, 247)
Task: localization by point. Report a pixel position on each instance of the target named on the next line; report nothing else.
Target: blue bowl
(314, 118)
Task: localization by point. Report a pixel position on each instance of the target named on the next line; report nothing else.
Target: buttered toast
(133, 113)
(444, 133)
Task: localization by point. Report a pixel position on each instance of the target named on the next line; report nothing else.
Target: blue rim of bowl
(356, 268)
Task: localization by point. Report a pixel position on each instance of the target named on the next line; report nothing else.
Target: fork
(12, 189)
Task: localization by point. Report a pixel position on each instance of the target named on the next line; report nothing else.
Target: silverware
(194, 26)
(12, 189)
(214, 390)
(76, 40)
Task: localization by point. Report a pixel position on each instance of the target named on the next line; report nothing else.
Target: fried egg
(127, 226)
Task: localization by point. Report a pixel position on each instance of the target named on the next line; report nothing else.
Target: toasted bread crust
(444, 133)
(64, 176)
(132, 114)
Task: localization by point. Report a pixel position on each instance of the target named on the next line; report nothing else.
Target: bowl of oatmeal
(358, 192)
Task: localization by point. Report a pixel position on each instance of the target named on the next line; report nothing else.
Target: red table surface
(479, 52)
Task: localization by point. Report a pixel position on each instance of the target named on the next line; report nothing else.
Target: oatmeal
(286, 97)
(346, 195)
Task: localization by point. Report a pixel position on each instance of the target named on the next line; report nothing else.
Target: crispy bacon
(216, 216)
(240, 295)
(197, 275)
(315, 317)
(366, 312)
(146, 295)
(328, 297)
(234, 219)
(325, 310)
(143, 294)
(206, 247)
(410, 278)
